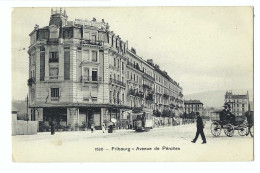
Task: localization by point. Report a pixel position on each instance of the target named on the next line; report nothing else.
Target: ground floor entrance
(80, 117)
(55, 115)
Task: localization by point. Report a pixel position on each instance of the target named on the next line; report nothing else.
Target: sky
(202, 48)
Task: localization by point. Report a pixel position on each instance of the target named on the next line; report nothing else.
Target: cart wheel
(229, 130)
(251, 130)
(242, 130)
(215, 128)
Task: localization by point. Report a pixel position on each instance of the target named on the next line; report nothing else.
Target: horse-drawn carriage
(239, 123)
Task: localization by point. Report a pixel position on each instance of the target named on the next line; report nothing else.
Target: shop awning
(77, 105)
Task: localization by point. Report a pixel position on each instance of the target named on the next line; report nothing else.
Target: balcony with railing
(165, 96)
(93, 42)
(53, 60)
(53, 41)
(145, 86)
(30, 81)
(117, 82)
(133, 92)
(149, 97)
(147, 76)
(136, 66)
(93, 79)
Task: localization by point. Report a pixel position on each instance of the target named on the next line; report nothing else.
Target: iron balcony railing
(145, 75)
(90, 79)
(30, 81)
(136, 66)
(54, 60)
(52, 41)
(93, 42)
(149, 97)
(145, 86)
(114, 81)
(135, 93)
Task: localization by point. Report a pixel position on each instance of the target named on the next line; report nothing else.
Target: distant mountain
(215, 98)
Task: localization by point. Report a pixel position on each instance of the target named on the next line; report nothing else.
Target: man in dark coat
(52, 128)
(200, 127)
(224, 113)
(226, 116)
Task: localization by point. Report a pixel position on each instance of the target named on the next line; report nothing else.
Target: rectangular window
(67, 65)
(94, 75)
(86, 35)
(68, 33)
(123, 66)
(53, 73)
(53, 57)
(85, 55)
(42, 66)
(55, 94)
(118, 64)
(93, 37)
(115, 62)
(94, 56)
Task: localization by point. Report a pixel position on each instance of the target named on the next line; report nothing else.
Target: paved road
(173, 143)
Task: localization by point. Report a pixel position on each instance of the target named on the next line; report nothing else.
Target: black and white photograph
(132, 84)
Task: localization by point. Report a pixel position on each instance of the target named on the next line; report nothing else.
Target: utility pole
(27, 108)
(248, 103)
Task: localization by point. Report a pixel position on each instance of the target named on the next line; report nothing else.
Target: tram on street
(143, 121)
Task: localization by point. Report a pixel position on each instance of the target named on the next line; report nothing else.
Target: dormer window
(54, 32)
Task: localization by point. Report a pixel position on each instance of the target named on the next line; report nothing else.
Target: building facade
(238, 103)
(193, 106)
(80, 71)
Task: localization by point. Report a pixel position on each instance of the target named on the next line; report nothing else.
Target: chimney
(150, 61)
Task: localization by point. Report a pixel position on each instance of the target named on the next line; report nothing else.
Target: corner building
(80, 71)
(239, 103)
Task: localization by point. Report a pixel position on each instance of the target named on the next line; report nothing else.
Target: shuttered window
(67, 65)
(42, 66)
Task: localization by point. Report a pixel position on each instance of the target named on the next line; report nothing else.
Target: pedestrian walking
(92, 128)
(103, 127)
(200, 131)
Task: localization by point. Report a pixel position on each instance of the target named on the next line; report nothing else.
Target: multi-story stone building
(80, 71)
(193, 106)
(238, 103)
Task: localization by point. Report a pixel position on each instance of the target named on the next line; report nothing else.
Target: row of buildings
(80, 71)
(239, 105)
